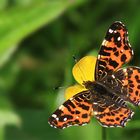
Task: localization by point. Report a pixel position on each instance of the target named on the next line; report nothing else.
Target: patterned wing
(130, 80)
(75, 111)
(114, 52)
(111, 114)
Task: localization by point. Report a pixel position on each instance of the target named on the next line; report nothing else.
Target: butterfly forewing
(114, 52)
(75, 111)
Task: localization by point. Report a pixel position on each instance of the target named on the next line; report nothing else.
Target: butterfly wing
(111, 114)
(114, 52)
(75, 111)
(130, 80)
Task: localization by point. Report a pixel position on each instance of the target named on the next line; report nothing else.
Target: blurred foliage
(37, 41)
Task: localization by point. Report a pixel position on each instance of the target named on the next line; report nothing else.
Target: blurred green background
(37, 41)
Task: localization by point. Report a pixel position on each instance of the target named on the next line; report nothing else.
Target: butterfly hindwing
(112, 115)
(75, 111)
(130, 80)
(114, 52)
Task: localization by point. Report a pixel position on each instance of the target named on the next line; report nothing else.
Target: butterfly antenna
(58, 87)
(75, 59)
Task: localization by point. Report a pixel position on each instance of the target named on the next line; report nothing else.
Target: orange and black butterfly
(105, 98)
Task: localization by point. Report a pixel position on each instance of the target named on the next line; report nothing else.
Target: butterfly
(106, 97)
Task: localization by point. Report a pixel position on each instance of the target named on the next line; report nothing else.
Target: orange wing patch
(114, 52)
(75, 111)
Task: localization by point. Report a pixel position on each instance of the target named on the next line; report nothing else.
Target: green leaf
(4, 118)
(7, 115)
(18, 22)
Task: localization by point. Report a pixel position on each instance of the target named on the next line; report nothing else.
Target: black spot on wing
(108, 36)
(131, 85)
(138, 86)
(117, 26)
(102, 63)
(114, 49)
(113, 63)
(84, 107)
(123, 58)
(116, 36)
(78, 99)
(107, 48)
(84, 115)
(76, 121)
(102, 52)
(116, 53)
(136, 93)
(126, 47)
(69, 117)
(77, 112)
(69, 103)
(136, 77)
(58, 112)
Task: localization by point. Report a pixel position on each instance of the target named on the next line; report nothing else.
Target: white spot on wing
(110, 31)
(77, 117)
(71, 99)
(57, 119)
(99, 56)
(104, 42)
(84, 124)
(76, 124)
(124, 70)
(51, 125)
(119, 38)
(118, 126)
(61, 107)
(132, 114)
(65, 119)
(132, 52)
(95, 113)
(111, 126)
(113, 76)
(54, 115)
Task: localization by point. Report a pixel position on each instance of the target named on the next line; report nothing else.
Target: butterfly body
(106, 97)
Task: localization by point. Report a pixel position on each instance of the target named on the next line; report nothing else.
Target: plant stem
(103, 133)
